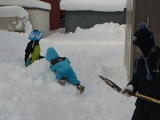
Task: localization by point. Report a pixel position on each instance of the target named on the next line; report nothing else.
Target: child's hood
(51, 54)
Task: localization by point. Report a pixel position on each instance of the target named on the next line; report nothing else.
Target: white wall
(40, 20)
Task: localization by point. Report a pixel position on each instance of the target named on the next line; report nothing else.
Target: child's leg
(76, 82)
(61, 79)
(73, 81)
(59, 76)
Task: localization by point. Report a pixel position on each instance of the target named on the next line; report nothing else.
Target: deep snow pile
(33, 93)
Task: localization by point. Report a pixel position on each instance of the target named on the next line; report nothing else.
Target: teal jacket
(62, 69)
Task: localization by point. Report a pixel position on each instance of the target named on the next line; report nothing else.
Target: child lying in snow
(61, 66)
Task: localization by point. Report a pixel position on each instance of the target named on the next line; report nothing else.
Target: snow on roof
(94, 5)
(13, 11)
(27, 3)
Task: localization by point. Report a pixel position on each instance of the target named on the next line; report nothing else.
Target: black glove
(40, 57)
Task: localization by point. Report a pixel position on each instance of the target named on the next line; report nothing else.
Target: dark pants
(141, 115)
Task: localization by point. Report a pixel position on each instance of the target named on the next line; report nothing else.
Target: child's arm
(53, 68)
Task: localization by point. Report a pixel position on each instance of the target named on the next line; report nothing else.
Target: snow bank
(13, 11)
(95, 5)
(27, 3)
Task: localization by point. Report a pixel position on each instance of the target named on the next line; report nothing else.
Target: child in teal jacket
(62, 68)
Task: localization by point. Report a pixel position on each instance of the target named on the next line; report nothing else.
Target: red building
(55, 14)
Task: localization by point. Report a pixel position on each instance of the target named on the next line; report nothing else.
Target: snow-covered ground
(33, 93)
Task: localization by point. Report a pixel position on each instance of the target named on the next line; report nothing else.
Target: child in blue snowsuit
(62, 68)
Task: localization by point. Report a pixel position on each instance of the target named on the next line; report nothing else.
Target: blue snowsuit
(62, 69)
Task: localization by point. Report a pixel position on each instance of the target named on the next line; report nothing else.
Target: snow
(27, 3)
(33, 93)
(94, 5)
(17, 11)
(13, 11)
(28, 28)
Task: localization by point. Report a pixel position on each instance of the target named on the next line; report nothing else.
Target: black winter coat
(145, 87)
(29, 49)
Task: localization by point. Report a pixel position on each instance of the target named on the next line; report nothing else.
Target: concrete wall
(87, 19)
(12, 24)
(40, 20)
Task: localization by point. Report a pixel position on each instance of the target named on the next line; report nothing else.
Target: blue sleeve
(52, 68)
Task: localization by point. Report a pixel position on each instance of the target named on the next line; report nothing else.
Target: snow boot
(62, 82)
(80, 88)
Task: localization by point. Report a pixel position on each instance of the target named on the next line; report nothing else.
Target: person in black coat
(146, 76)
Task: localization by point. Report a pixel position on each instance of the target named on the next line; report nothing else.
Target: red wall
(54, 14)
(62, 12)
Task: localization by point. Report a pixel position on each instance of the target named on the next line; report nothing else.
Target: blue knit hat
(142, 26)
(144, 39)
